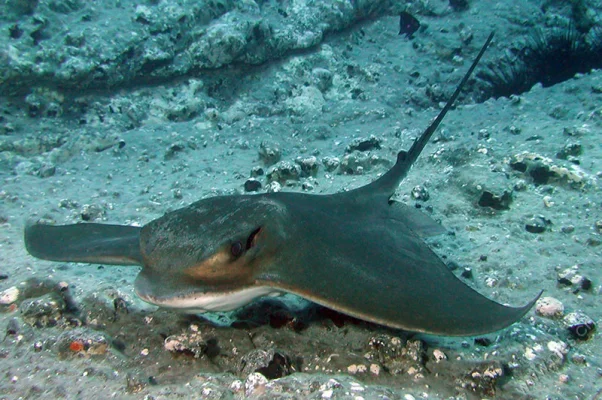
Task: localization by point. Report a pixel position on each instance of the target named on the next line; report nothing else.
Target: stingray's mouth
(207, 301)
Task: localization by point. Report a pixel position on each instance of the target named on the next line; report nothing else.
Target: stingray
(356, 252)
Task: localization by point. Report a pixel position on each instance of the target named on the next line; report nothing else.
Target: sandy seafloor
(93, 164)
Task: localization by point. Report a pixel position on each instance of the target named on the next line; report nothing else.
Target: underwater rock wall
(78, 45)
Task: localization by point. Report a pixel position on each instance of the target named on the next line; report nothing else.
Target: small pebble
(252, 185)
(537, 224)
(578, 359)
(547, 201)
(420, 193)
(439, 355)
(120, 305)
(13, 326)
(257, 171)
(467, 273)
(568, 229)
(491, 282)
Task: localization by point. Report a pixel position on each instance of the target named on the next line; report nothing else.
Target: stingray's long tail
(87, 243)
(419, 144)
(387, 184)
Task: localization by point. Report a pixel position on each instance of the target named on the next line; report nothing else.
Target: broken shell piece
(9, 295)
(439, 355)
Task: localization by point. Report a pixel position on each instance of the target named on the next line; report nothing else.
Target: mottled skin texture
(356, 252)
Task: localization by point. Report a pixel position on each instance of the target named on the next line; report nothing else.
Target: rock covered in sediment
(549, 307)
(82, 341)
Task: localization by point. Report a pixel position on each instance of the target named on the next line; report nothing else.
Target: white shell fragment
(9, 295)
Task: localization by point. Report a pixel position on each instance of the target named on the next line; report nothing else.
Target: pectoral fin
(87, 243)
(420, 223)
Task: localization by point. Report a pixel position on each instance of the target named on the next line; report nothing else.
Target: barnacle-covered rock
(399, 356)
(364, 144)
(331, 163)
(191, 342)
(284, 171)
(579, 325)
(309, 165)
(483, 379)
(357, 163)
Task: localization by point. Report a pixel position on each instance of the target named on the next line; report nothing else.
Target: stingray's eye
(236, 249)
